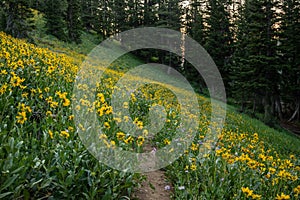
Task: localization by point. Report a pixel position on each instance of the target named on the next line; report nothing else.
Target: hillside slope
(42, 156)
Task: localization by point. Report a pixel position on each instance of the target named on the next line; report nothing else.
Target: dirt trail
(153, 188)
(156, 185)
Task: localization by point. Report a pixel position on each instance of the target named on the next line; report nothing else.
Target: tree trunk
(296, 112)
(268, 118)
(278, 107)
(254, 105)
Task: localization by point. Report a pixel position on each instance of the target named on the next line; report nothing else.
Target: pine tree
(135, 13)
(195, 22)
(74, 21)
(2, 17)
(103, 21)
(39, 5)
(219, 41)
(55, 14)
(88, 14)
(194, 27)
(17, 16)
(120, 16)
(149, 12)
(289, 50)
(255, 66)
(169, 16)
(143, 14)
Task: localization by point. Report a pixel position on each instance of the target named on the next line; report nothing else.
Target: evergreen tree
(104, 19)
(143, 14)
(289, 51)
(17, 16)
(88, 14)
(120, 16)
(39, 5)
(55, 14)
(219, 36)
(255, 66)
(150, 12)
(194, 27)
(169, 14)
(2, 17)
(135, 13)
(74, 21)
(194, 22)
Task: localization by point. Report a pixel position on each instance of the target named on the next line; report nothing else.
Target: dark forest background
(254, 43)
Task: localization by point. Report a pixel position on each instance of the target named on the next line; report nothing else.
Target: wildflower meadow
(43, 157)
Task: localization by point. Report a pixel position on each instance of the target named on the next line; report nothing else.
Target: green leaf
(11, 143)
(17, 170)
(5, 194)
(36, 182)
(152, 186)
(26, 195)
(46, 183)
(8, 182)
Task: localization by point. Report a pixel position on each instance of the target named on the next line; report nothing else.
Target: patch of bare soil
(155, 186)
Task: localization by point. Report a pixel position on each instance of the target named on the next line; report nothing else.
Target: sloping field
(43, 157)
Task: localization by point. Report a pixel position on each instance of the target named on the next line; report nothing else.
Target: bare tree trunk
(295, 113)
(254, 105)
(278, 107)
(268, 109)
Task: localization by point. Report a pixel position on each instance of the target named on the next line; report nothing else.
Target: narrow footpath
(155, 186)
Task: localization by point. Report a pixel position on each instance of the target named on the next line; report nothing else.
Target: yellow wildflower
(128, 140)
(120, 136)
(194, 147)
(193, 167)
(66, 102)
(296, 191)
(107, 125)
(103, 136)
(247, 191)
(140, 140)
(167, 142)
(65, 134)
(21, 118)
(71, 117)
(50, 134)
(282, 196)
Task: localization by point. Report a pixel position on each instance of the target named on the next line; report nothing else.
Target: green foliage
(55, 14)
(219, 40)
(36, 163)
(134, 13)
(2, 18)
(73, 21)
(255, 56)
(120, 15)
(89, 14)
(195, 22)
(194, 25)
(169, 15)
(289, 48)
(255, 47)
(17, 15)
(41, 154)
(39, 22)
(89, 41)
(224, 172)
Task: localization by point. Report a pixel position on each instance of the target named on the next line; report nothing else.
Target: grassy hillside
(42, 156)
